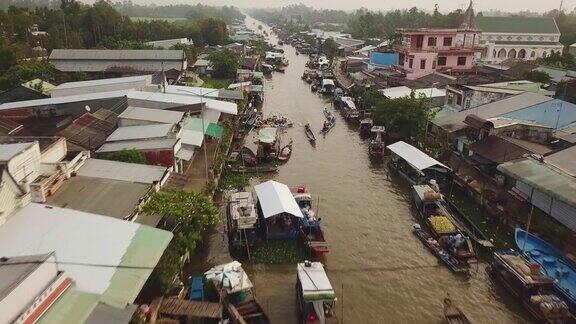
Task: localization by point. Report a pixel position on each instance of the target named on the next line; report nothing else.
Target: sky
(444, 5)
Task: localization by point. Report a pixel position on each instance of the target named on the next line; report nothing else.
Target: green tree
(537, 76)
(330, 48)
(406, 116)
(213, 31)
(225, 63)
(128, 156)
(25, 71)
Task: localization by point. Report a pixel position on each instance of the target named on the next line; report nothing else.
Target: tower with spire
(469, 22)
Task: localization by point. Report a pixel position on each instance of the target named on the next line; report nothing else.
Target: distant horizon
(510, 6)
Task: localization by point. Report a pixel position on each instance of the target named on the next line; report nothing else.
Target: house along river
(380, 271)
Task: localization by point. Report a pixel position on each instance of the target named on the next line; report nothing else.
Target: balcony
(405, 48)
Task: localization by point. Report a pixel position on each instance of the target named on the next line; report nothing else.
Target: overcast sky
(445, 5)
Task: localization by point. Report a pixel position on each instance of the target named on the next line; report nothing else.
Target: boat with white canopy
(280, 215)
(234, 286)
(416, 166)
(314, 294)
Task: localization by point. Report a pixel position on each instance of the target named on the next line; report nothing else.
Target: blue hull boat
(552, 263)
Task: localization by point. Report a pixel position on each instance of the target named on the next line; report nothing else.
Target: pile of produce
(441, 224)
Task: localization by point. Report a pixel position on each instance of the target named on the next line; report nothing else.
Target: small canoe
(254, 169)
(330, 125)
(453, 314)
(309, 133)
(432, 245)
(327, 114)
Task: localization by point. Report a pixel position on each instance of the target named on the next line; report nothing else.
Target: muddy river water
(380, 271)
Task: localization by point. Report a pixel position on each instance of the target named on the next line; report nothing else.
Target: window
(447, 41)
(433, 65)
(411, 63)
(422, 64)
(461, 60)
(441, 60)
(431, 41)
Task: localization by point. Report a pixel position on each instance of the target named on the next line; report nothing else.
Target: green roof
(544, 178)
(534, 25)
(214, 130)
(72, 307)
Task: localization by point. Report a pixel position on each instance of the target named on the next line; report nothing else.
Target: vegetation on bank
(276, 252)
(127, 155)
(187, 214)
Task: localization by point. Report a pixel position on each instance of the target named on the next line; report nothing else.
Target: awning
(215, 130)
(185, 153)
(267, 135)
(276, 198)
(416, 158)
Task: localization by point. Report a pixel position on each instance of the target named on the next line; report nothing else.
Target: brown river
(380, 271)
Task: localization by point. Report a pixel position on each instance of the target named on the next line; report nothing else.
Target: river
(380, 271)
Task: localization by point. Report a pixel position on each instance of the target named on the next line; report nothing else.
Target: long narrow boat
(552, 262)
(453, 314)
(432, 245)
(309, 133)
(437, 217)
(533, 289)
(311, 231)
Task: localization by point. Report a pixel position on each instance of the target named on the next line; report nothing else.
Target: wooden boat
(453, 314)
(434, 247)
(279, 69)
(253, 169)
(314, 87)
(552, 262)
(377, 145)
(314, 293)
(248, 157)
(437, 217)
(366, 127)
(242, 222)
(463, 222)
(329, 124)
(311, 231)
(285, 153)
(309, 133)
(526, 282)
(235, 289)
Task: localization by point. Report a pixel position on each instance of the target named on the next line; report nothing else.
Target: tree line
(76, 25)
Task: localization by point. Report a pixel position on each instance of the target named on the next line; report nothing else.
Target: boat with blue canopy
(551, 261)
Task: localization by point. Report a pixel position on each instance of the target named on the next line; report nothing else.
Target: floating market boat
(280, 217)
(253, 169)
(232, 282)
(315, 296)
(453, 314)
(309, 133)
(377, 144)
(416, 166)
(242, 222)
(526, 282)
(248, 157)
(328, 125)
(349, 108)
(311, 231)
(434, 247)
(552, 262)
(437, 217)
(366, 127)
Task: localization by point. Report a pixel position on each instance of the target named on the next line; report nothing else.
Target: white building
(526, 38)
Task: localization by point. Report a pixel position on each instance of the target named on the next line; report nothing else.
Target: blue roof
(383, 59)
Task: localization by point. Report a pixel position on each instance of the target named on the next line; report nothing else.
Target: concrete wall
(25, 166)
(23, 294)
(55, 152)
(10, 197)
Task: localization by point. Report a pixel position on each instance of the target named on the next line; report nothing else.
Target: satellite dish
(87, 108)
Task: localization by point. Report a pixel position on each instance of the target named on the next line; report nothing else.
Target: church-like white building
(526, 38)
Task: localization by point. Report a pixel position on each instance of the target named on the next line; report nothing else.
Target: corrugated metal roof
(564, 160)
(455, 122)
(138, 145)
(62, 100)
(78, 241)
(184, 100)
(403, 91)
(99, 82)
(276, 198)
(544, 178)
(413, 156)
(107, 54)
(115, 170)
(155, 115)
(140, 132)
(127, 65)
(517, 24)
